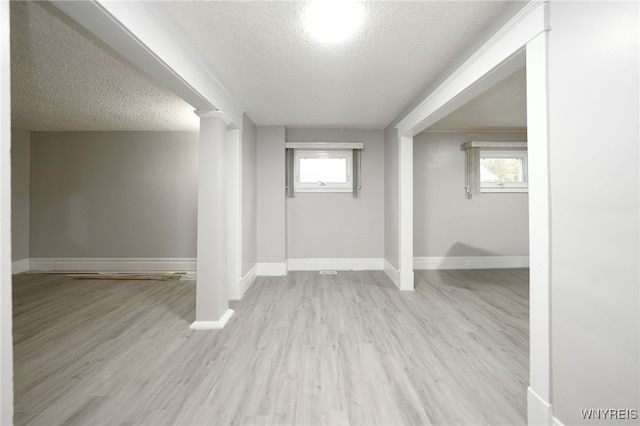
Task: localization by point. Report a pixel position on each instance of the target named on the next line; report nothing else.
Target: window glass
(327, 170)
(506, 170)
(323, 171)
(503, 171)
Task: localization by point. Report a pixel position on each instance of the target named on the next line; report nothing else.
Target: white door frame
(496, 59)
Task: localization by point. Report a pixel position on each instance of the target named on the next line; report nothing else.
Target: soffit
(64, 78)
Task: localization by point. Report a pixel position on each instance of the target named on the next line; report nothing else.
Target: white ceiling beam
(488, 66)
(142, 35)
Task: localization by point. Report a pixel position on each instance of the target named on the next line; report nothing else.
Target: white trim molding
(540, 412)
(336, 264)
(19, 266)
(112, 264)
(324, 145)
(469, 262)
(212, 325)
(245, 282)
(392, 273)
(271, 269)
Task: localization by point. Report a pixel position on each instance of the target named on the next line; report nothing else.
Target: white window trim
(507, 186)
(473, 150)
(323, 187)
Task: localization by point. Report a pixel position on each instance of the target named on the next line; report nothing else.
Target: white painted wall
(114, 194)
(271, 195)
(20, 175)
(594, 172)
(337, 225)
(6, 337)
(445, 222)
(249, 195)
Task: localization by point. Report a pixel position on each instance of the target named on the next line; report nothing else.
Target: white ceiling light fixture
(333, 21)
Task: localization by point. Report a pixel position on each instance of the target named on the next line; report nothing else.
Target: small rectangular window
(503, 171)
(323, 171)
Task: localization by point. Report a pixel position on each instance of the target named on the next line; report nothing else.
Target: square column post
(406, 214)
(212, 306)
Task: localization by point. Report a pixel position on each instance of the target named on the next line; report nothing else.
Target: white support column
(406, 213)
(6, 340)
(212, 301)
(539, 392)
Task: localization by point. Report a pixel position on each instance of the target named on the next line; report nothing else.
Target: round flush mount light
(333, 21)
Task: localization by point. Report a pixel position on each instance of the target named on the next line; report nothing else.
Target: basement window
(503, 171)
(323, 167)
(495, 167)
(323, 171)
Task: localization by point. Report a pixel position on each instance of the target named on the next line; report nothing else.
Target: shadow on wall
(461, 249)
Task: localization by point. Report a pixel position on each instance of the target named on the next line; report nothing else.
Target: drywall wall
(114, 194)
(20, 170)
(391, 198)
(594, 175)
(337, 225)
(445, 222)
(271, 195)
(249, 195)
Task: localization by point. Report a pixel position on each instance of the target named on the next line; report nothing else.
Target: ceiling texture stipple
(64, 78)
(262, 53)
(503, 108)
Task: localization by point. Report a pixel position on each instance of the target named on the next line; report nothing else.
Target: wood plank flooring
(344, 349)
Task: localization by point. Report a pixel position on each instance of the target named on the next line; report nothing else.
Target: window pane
(327, 170)
(504, 170)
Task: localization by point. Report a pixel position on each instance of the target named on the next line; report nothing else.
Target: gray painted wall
(271, 195)
(594, 174)
(392, 177)
(336, 225)
(114, 194)
(392, 197)
(20, 171)
(445, 222)
(249, 195)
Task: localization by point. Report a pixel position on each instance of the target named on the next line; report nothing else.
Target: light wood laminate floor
(301, 349)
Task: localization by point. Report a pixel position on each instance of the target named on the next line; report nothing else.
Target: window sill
(323, 190)
(498, 190)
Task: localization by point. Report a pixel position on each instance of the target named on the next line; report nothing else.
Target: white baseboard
(113, 264)
(212, 325)
(336, 264)
(470, 262)
(392, 272)
(245, 282)
(539, 412)
(271, 269)
(20, 266)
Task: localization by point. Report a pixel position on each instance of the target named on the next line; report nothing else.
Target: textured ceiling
(64, 78)
(262, 54)
(502, 108)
